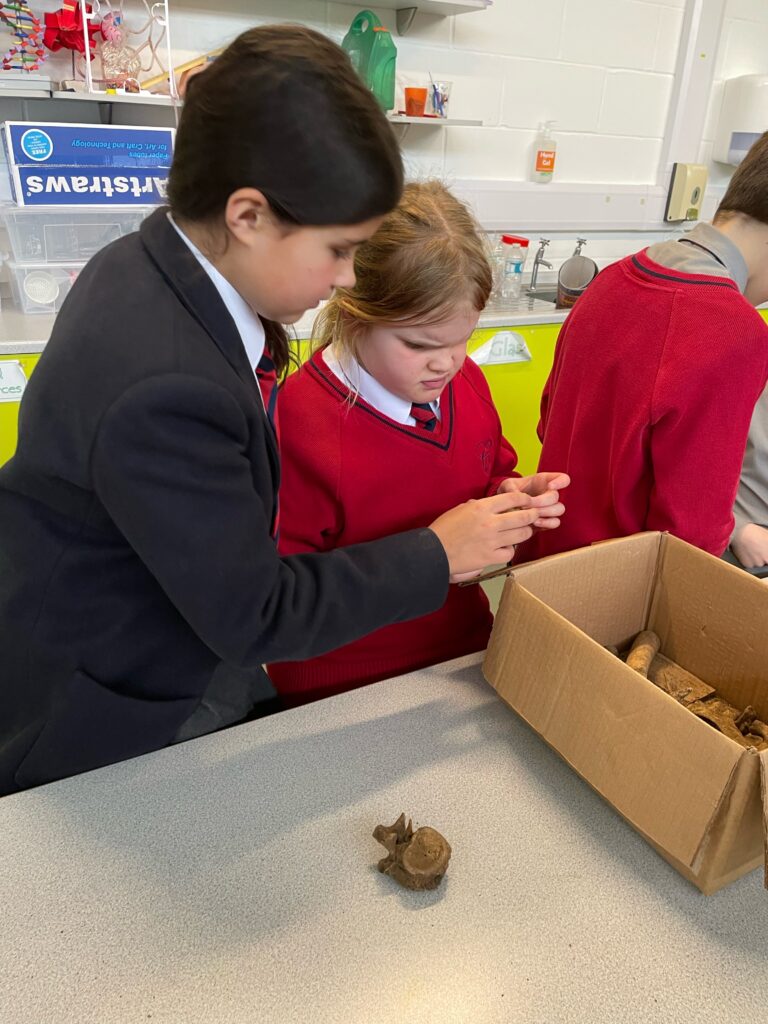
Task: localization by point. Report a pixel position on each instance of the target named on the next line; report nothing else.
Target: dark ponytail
(282, 110)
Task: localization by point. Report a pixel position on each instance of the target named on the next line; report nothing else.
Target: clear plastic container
(514, 259)
(42, 288)
(64, 235)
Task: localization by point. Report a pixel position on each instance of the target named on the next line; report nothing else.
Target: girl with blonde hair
(388, 424)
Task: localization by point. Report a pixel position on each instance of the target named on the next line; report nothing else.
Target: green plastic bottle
(373, 55)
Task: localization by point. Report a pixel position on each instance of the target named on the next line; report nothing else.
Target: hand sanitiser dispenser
(743, 117)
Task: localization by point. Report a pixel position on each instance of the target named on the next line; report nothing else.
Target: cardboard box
(693, 793)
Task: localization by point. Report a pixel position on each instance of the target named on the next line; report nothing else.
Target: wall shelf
(24, 94)
(138, 99)
(151, 99)
(405, 12)
(434, 122)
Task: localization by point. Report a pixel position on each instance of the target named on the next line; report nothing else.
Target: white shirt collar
(358, 380)
(248, 323)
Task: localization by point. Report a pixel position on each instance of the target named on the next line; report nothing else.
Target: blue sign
(87, 145)
(38, 185)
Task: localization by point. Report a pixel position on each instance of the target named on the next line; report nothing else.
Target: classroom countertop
(21, 334)
(522, 312)
(233, 880)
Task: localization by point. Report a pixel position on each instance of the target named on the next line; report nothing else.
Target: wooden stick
(506, 571)
(149, 82)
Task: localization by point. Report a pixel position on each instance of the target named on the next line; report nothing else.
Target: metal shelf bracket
(404, 19)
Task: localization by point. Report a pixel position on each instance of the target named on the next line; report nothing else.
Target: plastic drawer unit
(64, 235)
(42, 288)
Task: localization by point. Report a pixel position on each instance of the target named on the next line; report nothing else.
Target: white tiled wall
(743, 50)
(602, 69)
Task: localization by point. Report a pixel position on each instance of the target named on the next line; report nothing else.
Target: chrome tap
(580, 243)
(539, 261)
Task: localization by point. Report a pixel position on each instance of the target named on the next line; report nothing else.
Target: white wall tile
(195, 28)
(577, 62)
(752, 10)
(744, 49)
(423, 151)
(488, 153)
(609, 159)
(613, 33)
(521, 29)
(536, 91)
(668, 39)
(635, 104)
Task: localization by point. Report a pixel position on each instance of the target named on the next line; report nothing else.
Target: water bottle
(495, 253)
(512, 283)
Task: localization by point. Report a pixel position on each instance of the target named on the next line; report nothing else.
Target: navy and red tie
(266, 377)
(424, 415)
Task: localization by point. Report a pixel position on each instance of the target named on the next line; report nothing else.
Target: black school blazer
(134, 525)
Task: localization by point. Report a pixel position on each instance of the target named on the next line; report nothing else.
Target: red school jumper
(351, 474)
(648, 405)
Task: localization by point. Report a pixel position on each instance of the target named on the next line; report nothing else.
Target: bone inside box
(687, 783)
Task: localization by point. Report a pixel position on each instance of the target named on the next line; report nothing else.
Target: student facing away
(389, 422)
(656, 374)
(749, 542)
(138, 518)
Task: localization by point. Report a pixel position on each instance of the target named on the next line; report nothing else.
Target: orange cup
(415, 102)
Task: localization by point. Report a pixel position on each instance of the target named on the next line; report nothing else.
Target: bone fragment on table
(417, 860)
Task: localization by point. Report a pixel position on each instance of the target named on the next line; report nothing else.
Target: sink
(544, 294)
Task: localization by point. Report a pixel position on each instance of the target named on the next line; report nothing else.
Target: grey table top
(233, 879)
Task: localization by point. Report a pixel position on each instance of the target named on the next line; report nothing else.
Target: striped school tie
(424, 415)
(266, 377)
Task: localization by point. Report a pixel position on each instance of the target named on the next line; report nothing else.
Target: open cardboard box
(693, 793)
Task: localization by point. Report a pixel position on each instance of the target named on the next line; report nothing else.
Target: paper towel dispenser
(743, 117)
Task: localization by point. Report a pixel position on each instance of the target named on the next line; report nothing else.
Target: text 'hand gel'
(544, 154)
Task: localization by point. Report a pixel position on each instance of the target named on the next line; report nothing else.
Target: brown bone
(699, 697)
(417, 860)
(644, 648)
(677, 681)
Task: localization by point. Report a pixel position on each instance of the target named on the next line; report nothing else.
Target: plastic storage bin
(57, 235)
(42, 288)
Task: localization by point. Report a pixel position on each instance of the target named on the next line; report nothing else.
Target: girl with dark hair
(139, 516)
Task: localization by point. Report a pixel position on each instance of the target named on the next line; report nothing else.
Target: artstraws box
(86, 145)
(89, 186)
(86, 164)
(691, 791)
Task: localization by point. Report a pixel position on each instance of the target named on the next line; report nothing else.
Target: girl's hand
(543, 489)
(750, 545)
(484, 532)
